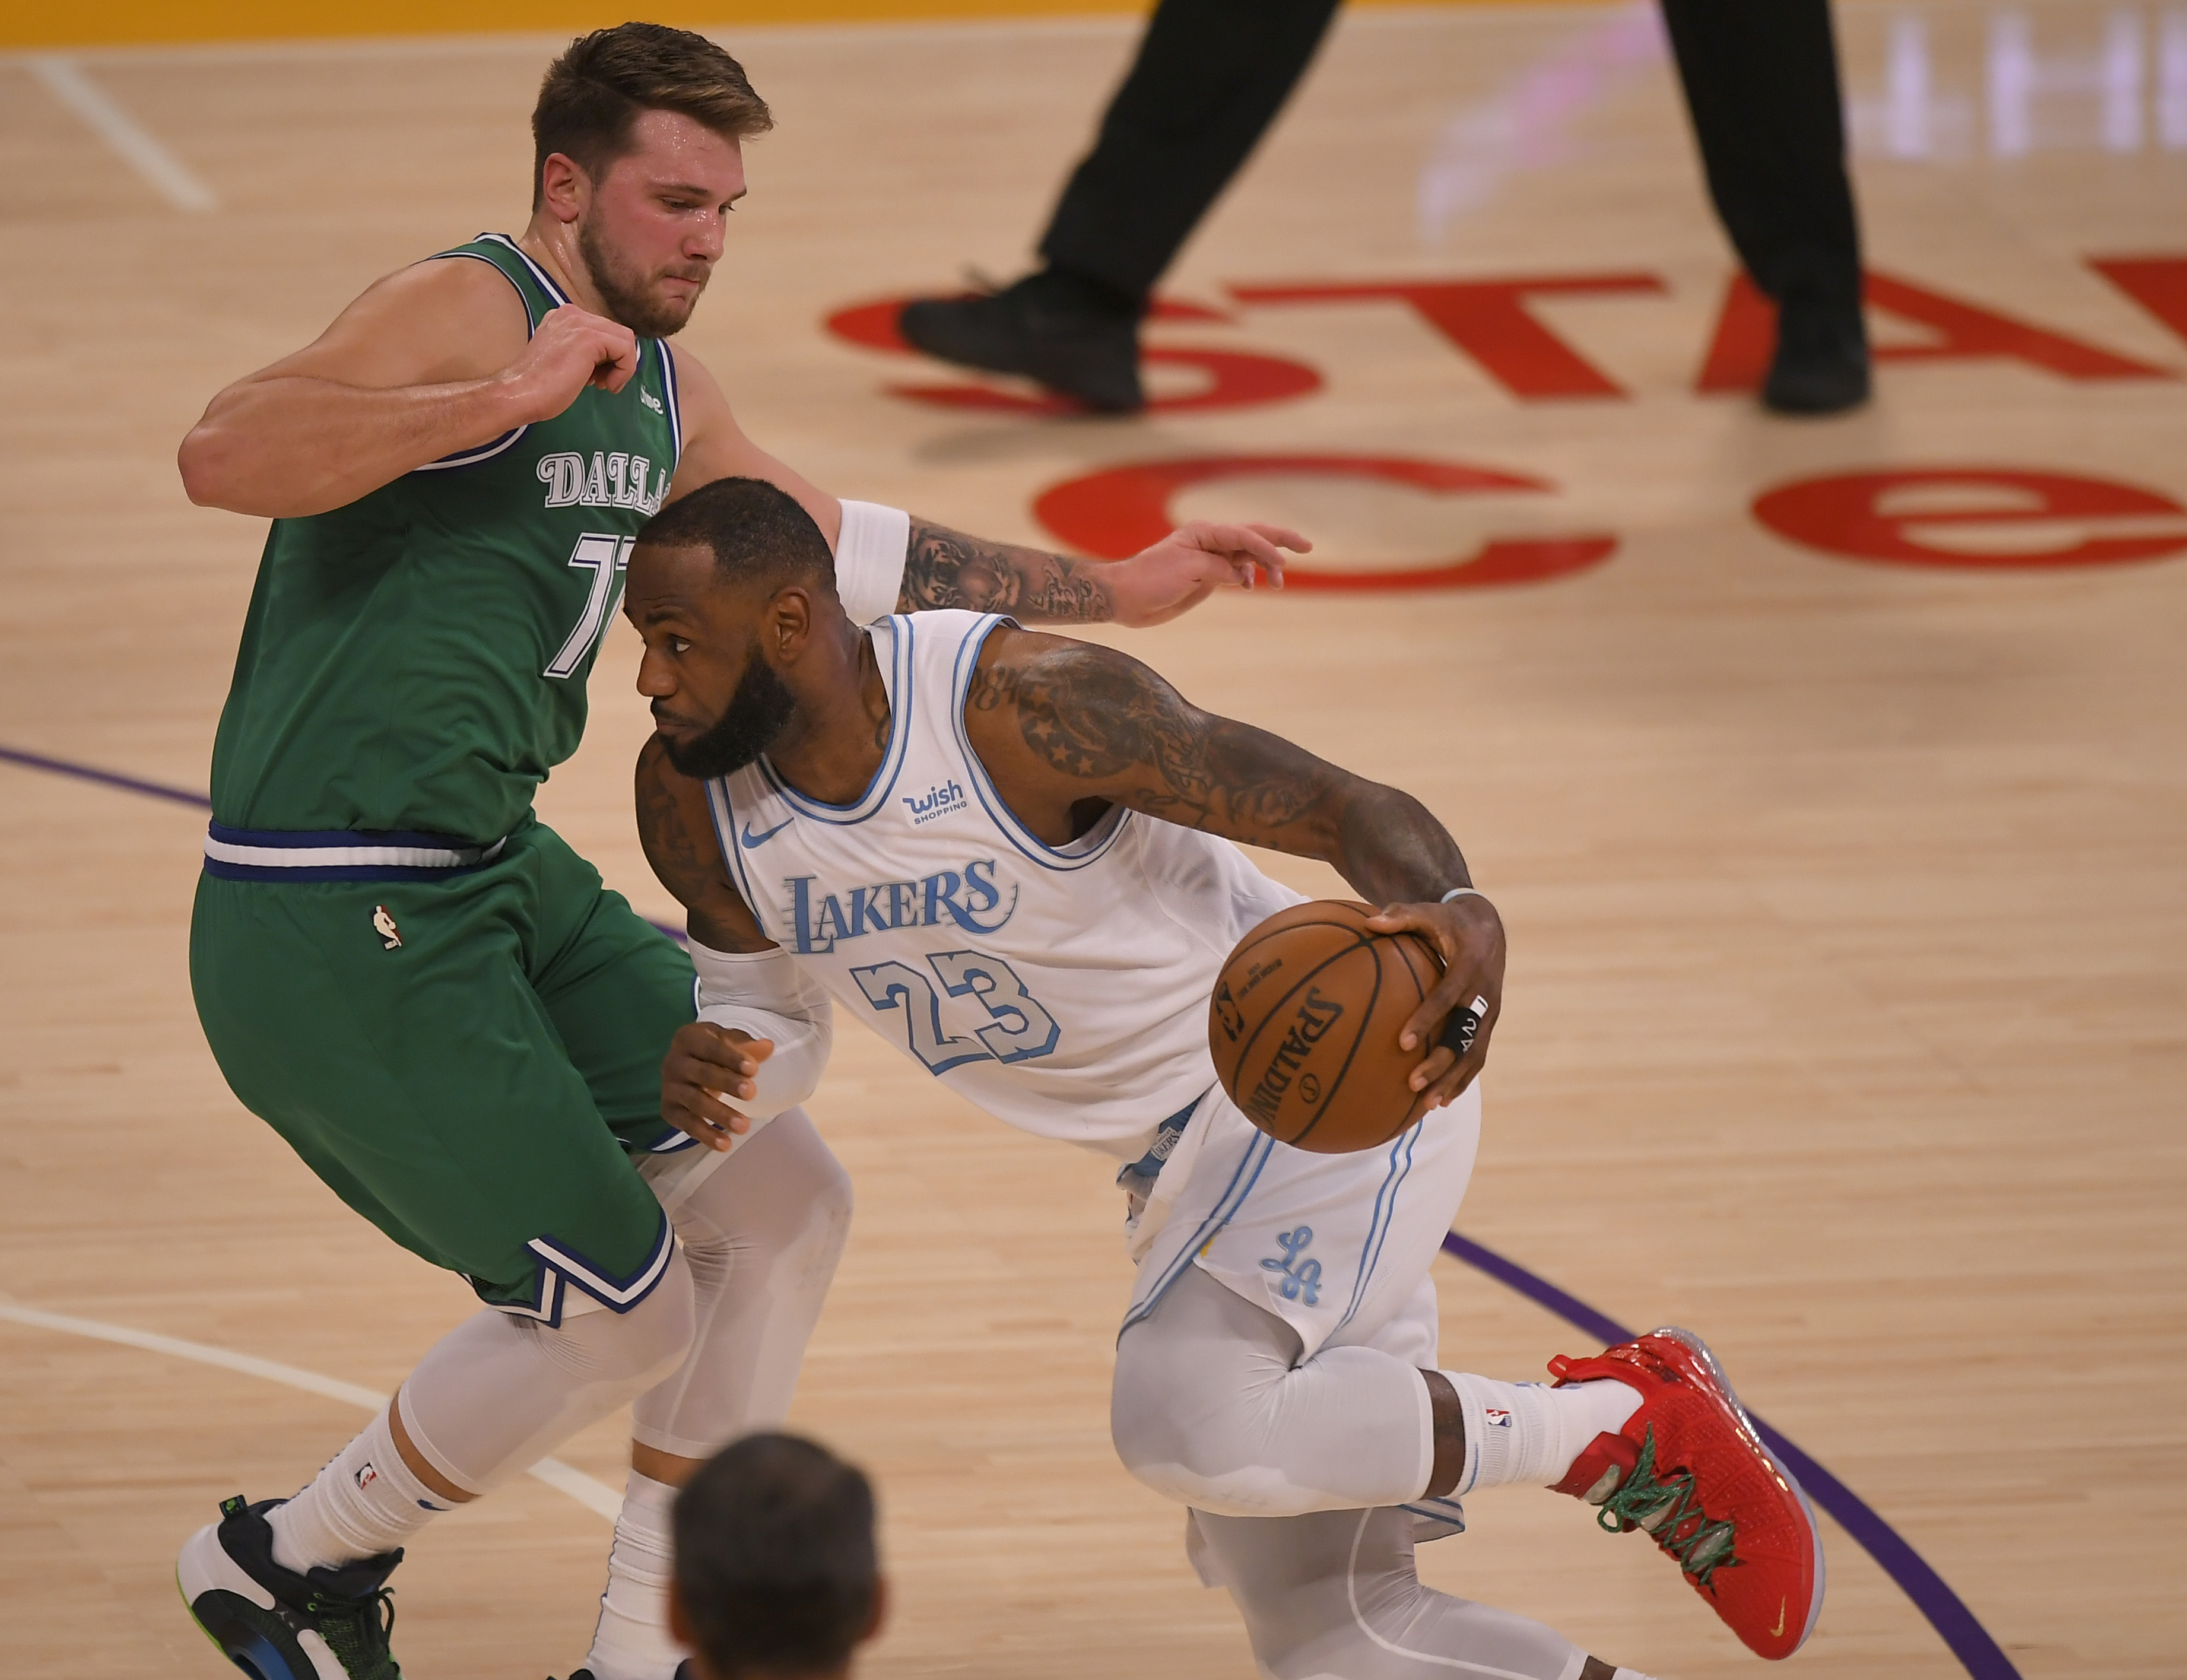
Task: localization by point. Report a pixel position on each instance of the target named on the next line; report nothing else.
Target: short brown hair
(594, 91)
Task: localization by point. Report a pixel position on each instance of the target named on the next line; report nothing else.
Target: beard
(757, 714)
(623, 291)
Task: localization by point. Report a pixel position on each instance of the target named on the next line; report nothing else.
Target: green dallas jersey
(416, 659)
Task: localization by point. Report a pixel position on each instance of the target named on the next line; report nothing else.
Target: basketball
(1304, 1026)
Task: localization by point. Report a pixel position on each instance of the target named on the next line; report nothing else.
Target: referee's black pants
(1761, 79)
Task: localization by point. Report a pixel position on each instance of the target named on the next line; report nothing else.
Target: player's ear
(789, 622)
(565, 190)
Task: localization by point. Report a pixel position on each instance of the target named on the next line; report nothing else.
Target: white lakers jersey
(1063, 990)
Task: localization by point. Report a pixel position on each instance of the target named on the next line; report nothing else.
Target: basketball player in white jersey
(1012, 854)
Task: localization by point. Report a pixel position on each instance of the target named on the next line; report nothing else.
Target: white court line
(65, 81)
(592, 1495)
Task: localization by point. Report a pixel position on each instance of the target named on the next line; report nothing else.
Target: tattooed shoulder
(1092, 715)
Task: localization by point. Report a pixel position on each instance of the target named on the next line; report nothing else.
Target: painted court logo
(935, 802)
(1302, 1278)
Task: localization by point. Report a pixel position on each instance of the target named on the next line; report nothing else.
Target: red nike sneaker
(1689, 1467)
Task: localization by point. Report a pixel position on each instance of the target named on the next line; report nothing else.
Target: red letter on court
(1120, 511)
(1746, 331)
(1486, 319)
(2157, 283)
(1235, 378)
(1909, 516)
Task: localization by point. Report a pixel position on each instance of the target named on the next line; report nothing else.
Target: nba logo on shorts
(1497, 1417)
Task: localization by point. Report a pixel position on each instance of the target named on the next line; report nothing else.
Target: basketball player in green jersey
(420, 986)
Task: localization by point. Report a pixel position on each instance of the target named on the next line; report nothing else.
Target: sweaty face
(757, 713)
(653, 228)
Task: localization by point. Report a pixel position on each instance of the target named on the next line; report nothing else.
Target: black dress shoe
(1821, 363)
(1074, 336)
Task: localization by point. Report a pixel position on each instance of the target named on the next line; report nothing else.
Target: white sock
(631, 1641)
(366, 1501)
(1529, 1433)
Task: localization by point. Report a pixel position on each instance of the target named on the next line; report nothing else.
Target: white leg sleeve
(761, 1234)
(1333, 1596)
(1210, 1408)
(499, 1393)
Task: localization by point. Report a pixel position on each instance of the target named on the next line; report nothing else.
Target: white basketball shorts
(1336, 1246)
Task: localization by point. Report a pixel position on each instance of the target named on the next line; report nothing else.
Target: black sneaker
(1074, 336)
(1821, 363)
(273, 1624)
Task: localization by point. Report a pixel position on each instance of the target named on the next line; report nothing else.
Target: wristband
(869, 560)
(1461, 892)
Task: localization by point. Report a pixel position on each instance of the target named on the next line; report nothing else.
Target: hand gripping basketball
(1318, 1019)
(1455, 1019)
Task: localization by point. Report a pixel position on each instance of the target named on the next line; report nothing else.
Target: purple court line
(85, 773)
(107, 778)
(1970, 1642)
(1955, 1624)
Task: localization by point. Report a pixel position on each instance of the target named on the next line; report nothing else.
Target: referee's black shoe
(1821, 363)
(1076, 336)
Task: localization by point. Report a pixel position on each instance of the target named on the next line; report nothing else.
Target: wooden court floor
(1843, 863)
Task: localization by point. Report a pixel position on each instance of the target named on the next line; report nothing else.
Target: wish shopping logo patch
(938, 802)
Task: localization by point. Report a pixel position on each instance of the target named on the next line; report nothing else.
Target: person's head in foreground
(777, 1574)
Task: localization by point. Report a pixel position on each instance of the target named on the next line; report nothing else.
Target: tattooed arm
(706, 1065)
(1066, 729)
(946, 568)
(677, 830)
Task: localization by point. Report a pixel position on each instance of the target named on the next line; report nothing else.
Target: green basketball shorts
(468, 1056)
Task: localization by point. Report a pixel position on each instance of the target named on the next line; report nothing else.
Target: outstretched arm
(946, 568)
(1066, 727)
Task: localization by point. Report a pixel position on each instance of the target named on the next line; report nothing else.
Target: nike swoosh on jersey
(751, 840)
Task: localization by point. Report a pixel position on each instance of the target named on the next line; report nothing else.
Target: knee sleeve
(1334, 1594)
(762, 1234)
(499, 1393)
(1209, 1408)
